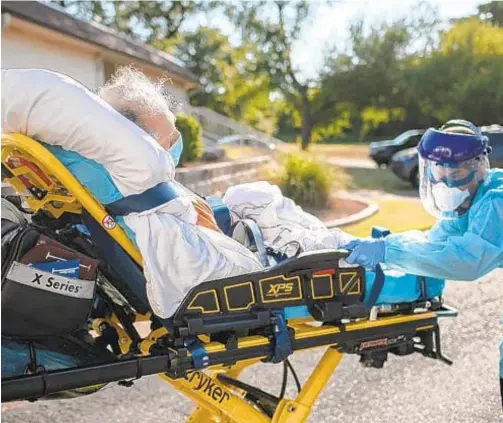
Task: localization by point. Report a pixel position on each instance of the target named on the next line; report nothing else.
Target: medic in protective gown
(458, 187)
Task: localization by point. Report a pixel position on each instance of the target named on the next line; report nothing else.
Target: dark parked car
(404, 164)
(382, 151)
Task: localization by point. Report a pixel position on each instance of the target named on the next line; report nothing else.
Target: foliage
(146, 21)
(463, 78)
(392, 75)
(191, 132)
(489, 12)
(226, 75)
(393, 85)
(368, 76)
(305, 180)
(273, 27)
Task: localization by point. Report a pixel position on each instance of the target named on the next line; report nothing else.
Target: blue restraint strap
(198, 353)
(162, 193)
(282, 344)
(222, 214)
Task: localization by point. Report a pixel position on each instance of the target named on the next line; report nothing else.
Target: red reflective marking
(324, 272)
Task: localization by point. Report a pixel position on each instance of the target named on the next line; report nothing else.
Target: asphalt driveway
(408, 389)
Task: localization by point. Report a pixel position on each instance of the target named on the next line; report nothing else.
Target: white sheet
(284, 225)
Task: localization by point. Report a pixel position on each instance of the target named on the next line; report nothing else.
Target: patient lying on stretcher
(123, 144)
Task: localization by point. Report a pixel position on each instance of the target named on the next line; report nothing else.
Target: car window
(496, 138)
(413, 140)
(496, 141)
(403, 137)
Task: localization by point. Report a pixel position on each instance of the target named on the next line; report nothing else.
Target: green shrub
(306, 181)
(191, 132)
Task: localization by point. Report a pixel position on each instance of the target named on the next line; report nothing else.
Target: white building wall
(24, 51)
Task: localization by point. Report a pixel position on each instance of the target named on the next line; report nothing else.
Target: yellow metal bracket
(17, 147)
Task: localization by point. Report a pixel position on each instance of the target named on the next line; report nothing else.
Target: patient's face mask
(176, 149)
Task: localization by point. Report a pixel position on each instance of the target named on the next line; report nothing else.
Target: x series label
(50, 282)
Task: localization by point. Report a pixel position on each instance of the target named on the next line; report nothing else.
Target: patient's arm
(57, 110)
(185, 255)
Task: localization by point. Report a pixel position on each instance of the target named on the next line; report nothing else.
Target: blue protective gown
(461, 249)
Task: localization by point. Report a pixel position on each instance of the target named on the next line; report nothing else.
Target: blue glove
(366, 252)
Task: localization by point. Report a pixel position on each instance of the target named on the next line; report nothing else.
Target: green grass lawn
(236, 152)
(396, 215)
(374, 179)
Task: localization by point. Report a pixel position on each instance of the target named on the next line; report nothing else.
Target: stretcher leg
(297, 411)
(215, 402)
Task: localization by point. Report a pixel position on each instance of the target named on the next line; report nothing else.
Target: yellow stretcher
(49, 188)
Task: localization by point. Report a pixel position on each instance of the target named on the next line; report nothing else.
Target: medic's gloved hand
(366, 252)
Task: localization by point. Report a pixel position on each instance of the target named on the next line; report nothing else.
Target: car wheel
(414, 178)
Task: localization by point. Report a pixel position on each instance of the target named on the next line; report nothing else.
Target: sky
(328, 26)
(330, 23)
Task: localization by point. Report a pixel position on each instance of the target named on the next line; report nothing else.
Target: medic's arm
(442, 230)
(465, 256)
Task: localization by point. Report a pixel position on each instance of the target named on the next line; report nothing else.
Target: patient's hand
(205, 215)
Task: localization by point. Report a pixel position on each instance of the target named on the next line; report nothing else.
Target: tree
(146, 21)
(464, 77)
(363, 88)
(229, 83)
(273, 27)
(491, 12)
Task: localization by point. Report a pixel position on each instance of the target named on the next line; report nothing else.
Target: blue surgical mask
(175, 151)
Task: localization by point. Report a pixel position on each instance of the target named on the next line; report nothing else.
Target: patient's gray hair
(131, 93)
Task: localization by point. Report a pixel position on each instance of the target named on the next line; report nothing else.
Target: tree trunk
(307, 123)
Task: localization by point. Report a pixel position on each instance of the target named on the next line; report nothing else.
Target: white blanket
(284, 224)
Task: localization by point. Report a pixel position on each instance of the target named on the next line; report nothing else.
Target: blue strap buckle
(282, 343)
(200, 358)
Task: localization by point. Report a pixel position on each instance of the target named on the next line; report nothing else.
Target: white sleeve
(57, 110)
(284, 224)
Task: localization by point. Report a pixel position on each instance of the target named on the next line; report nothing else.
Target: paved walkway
(359, 163)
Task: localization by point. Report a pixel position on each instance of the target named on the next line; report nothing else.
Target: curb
(370, 210)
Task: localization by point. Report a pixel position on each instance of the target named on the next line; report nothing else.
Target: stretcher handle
(446, 311)
(342, 253)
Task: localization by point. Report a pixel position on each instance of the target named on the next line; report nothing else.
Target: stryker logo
(279, 289)
(207, 386)
(50, 282)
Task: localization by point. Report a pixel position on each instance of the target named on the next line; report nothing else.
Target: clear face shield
(447, 189)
